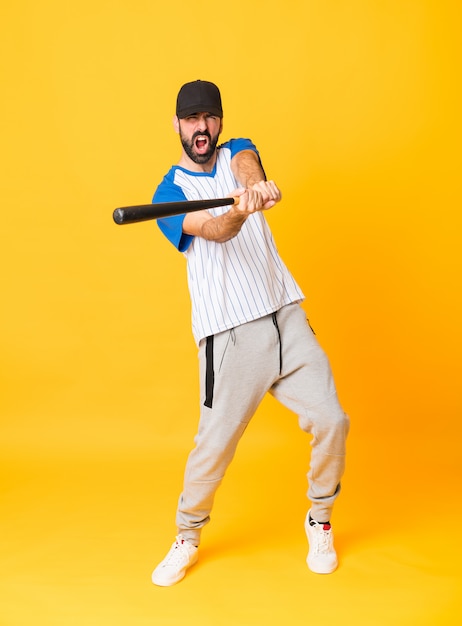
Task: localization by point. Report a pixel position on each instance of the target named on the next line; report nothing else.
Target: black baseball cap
(197, 97)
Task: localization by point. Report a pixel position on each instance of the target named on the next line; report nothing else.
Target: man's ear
(176, 124)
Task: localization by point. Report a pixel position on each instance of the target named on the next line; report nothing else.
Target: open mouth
(201, 143)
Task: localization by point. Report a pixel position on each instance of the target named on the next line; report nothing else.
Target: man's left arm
(248, 171)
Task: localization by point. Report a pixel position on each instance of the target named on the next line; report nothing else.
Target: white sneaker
(322, 558)
(173, 568)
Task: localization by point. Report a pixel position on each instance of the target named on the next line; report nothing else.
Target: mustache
(204, 133)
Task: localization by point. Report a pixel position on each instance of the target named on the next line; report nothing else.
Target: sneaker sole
(172, 581)
(169, 583)
(326, 570)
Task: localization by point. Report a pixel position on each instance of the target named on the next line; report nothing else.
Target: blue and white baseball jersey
(234, 282)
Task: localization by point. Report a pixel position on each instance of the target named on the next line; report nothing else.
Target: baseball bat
(144, 212)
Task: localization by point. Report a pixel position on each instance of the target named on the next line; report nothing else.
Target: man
(252, 334)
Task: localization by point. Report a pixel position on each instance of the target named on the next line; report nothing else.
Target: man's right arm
(224, 227)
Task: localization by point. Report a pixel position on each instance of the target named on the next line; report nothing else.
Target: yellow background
(355, 106)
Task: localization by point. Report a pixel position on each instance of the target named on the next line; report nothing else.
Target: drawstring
(275, 322)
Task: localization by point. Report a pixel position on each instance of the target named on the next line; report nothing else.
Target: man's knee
(327, 419)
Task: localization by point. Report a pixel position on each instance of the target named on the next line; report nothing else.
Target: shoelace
(178, 554)
(323, 540)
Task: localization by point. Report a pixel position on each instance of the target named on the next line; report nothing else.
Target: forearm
(224, 227)
(247, 168)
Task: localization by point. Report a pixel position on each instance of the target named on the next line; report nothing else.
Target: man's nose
(201, 122)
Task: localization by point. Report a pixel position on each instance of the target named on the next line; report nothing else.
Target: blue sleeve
(172, 227)
(238, 145)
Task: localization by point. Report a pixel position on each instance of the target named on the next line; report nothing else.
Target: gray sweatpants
(279, 354)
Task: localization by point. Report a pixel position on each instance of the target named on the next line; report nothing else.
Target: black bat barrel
(144, 212)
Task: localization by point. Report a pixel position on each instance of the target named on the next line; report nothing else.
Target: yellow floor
(82, 529)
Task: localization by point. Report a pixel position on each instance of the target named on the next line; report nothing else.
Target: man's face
(199, 135)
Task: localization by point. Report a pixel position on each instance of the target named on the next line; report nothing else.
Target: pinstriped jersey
(234, 282)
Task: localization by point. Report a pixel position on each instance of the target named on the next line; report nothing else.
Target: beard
(189, 147)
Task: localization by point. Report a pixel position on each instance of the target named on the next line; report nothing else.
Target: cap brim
(192, 110)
